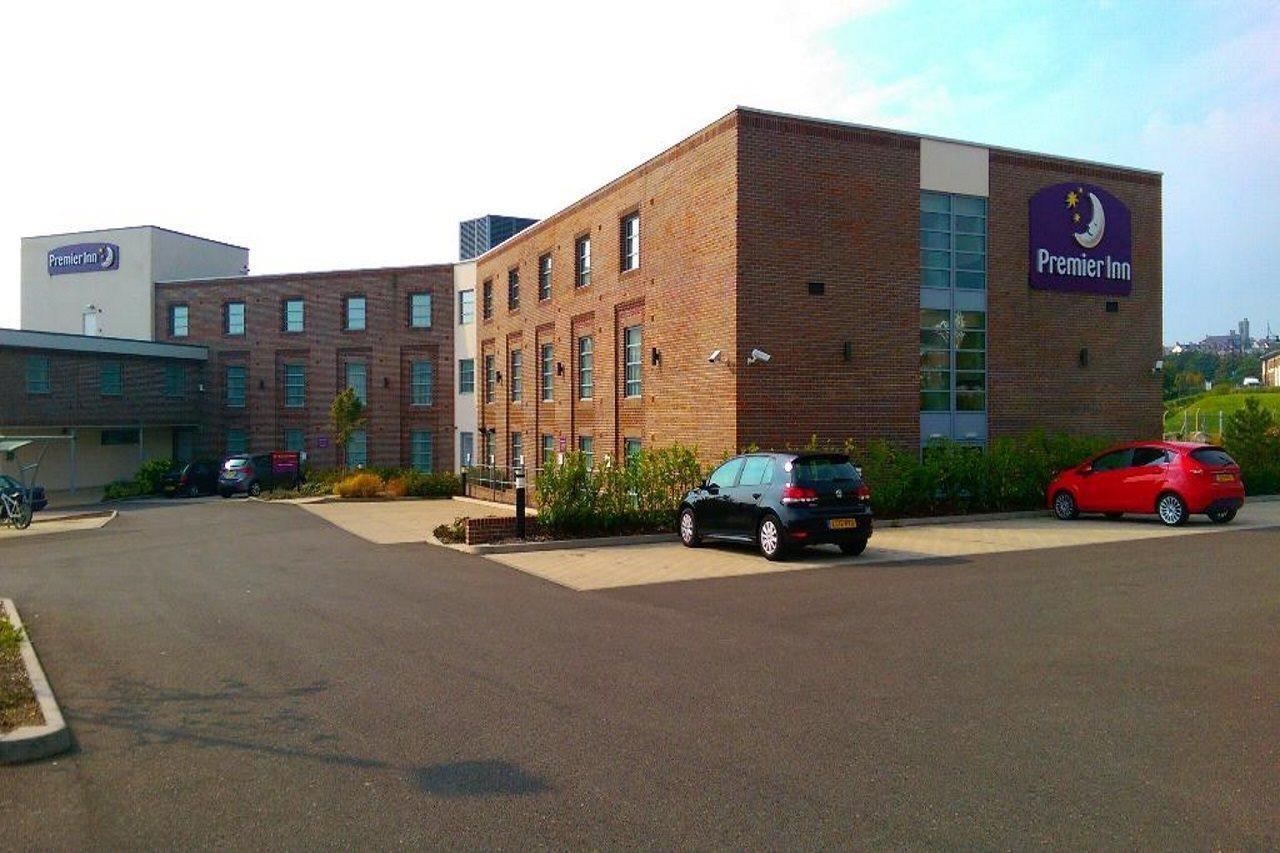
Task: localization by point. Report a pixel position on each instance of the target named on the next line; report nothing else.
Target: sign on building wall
(84, 257)
(1080, 241)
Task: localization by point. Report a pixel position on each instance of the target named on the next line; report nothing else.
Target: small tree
(346, 415)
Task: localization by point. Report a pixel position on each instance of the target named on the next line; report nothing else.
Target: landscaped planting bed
(18, 705)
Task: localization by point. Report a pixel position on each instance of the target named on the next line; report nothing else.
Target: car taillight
(864, 492)
(183, 481)
(1199, 472)
(799, 495)
(248, 472)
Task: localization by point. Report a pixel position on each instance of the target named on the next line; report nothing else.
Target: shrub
(452, 533)
(359, 486)
(122, 490)
(1254, 440)
(149, 475)
(397, 487)
(308, 489)
(10, 637)
(439, 485)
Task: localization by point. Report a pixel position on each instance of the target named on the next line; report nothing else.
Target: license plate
(842, 523)
(1225, 478)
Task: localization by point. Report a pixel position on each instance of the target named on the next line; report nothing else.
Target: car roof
(1163, 445)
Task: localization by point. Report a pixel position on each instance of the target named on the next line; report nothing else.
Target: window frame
(229, 402)
(462, 384)
(463, 303)
(629, 243)
(413, 317)
(513, 289)
(546, 372)
(544, 276)
(115, 389)
(633, 387)
(362, 368)
(415, 446)
(582, 260)
(347, 302)
(418, 369)
(285, 320)
(586, 374)
(175, 390)
(301, 386)
(174, 307)
(43, 383)
(490, 378)
(487, 295)
(515, 379)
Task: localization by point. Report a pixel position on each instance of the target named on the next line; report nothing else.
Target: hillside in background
(1201, 412)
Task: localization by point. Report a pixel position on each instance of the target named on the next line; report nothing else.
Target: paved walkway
(395, 522)
(604, 568)
(58, 524)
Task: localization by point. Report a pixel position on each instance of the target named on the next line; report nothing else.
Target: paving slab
(397, 522)
(60, 524)
(605, 568)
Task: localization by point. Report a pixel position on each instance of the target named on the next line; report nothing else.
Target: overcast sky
(336, 135)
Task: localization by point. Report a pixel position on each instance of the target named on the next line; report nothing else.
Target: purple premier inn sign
(84, 257)
(1079, 241)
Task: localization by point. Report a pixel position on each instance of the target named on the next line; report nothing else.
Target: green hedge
(1253, 439)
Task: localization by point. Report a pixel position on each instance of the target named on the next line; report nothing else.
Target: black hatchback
(191, 480)
(781, 502)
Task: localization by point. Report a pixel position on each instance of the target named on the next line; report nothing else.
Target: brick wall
(682, 295)
(386, 346)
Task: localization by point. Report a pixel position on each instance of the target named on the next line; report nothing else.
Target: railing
(498, 482)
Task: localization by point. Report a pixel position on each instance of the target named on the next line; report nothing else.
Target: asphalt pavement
(241, 674)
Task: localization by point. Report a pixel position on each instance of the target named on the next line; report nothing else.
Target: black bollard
(519, 474)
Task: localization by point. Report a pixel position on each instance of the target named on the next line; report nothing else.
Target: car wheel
(255, 489)
(853, 548)
(1171, 509)
(769, 537)
(1221, 516)
(1064, 506)
(1114, 515)
(689, 529)
(193, 492)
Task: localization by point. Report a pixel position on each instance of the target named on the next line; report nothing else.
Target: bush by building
(1253, 439)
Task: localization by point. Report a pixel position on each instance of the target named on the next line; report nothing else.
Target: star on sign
(1072, 199)
(1075, 217)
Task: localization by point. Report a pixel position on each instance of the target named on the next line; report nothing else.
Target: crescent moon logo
(108, 256)
(1091, 236)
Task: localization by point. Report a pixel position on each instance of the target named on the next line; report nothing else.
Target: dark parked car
(250, 474)
(781, 502)
(191, 480)
(12, 488)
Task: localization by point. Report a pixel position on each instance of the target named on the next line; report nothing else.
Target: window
(1143, 456)
(178, 320)
(631, 450)
(37, 374)
(587, 447)
(420, 381)
(294, 440)
(358, 380)
(547, 368)
(586, 367)
(490, 379)
(175, 380)
(517, 376)
(758, 471)
(629, 239)
(953, 241)
(466, 376)
(358, 449)
(1213, 457)
(544, 276)
(726, 475)
(236, 378)
(953, 357)
(233, 318)
(295, 386)
(513, 289)
(110, 382)
(420, 310)
(236, 442)
(118, 437)
(517, 448)
(1113, 461)
(466, 307)
(548, 449)
(420, 450)
(631, 353)
(355, 313)
(582, 261)
(293, 315)
(466, 448)
(488, 298)
(490, 438)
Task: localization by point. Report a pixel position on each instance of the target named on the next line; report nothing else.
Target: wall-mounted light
(559, 368)
(847, 351)
(497, 376)
(261, 384)
(715, 356)
(1084, 357)
(655, 357)
(386, 382)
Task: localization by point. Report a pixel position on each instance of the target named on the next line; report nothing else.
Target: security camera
(714, 357)
(758, 355)
(1159, 368)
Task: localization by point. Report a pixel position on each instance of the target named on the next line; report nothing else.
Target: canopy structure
(11, 444)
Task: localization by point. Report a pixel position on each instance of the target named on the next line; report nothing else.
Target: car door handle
(756, 496)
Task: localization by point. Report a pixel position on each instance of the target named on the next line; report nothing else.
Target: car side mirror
(1086, 469)
(711, 488)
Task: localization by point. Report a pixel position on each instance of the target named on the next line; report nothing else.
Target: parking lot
(238, 670)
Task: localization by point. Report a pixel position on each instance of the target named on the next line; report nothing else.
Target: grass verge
(18, 705)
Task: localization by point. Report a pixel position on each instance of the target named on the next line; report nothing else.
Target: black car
(251, 474)
(191, 480)
(781, 502)
(13, 488)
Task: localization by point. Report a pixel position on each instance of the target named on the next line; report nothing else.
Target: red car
(1172, 479)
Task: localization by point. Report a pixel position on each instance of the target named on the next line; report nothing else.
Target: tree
(346, 415)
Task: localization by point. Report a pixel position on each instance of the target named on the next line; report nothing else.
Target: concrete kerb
(31, 743)
(109, 514)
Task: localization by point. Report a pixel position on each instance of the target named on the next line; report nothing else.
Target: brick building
(96, 407)
(896, 283)
(282, 346)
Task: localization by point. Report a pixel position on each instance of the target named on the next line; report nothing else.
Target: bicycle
(15, 510)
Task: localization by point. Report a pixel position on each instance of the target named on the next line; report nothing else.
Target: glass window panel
(971, 340)
(967, 381)
(935, 401)
(466, 307)
(936, 221)
(420, 450)
(971, 225)
(357, 449)
(935, 278)
(971, 319)
(972, 401)
(971, 361)
(466, 376)
(935, 240)
(971, 280)
(357, 380)
(935, 260)
(970, 262)
(934, 339)
(970, 205)
(934, 318)
(971, 243)
(935, 202)
(295, 385)
(420, 382)
(935, 380)
(420, 310)
(936, 359)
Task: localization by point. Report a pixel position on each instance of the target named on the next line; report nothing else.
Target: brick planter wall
(480, 531)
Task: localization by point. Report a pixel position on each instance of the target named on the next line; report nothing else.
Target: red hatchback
(1172, 479)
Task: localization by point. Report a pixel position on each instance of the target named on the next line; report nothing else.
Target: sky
(340, 135)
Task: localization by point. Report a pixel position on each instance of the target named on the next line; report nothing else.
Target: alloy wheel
(687, 533)
(1171, 510)
(769, 537)
(1064, 506)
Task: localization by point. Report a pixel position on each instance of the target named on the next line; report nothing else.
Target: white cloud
(332, 135)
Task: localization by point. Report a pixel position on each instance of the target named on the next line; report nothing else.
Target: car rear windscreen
(236, 463)
(1214, 457)
(825, 469)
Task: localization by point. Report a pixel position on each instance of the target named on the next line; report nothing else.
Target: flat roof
(136, 228)
(65, 342)
(310, 274)
(741, 110)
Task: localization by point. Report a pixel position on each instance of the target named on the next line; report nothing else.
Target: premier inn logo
(1079, 241)
(84, 257)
